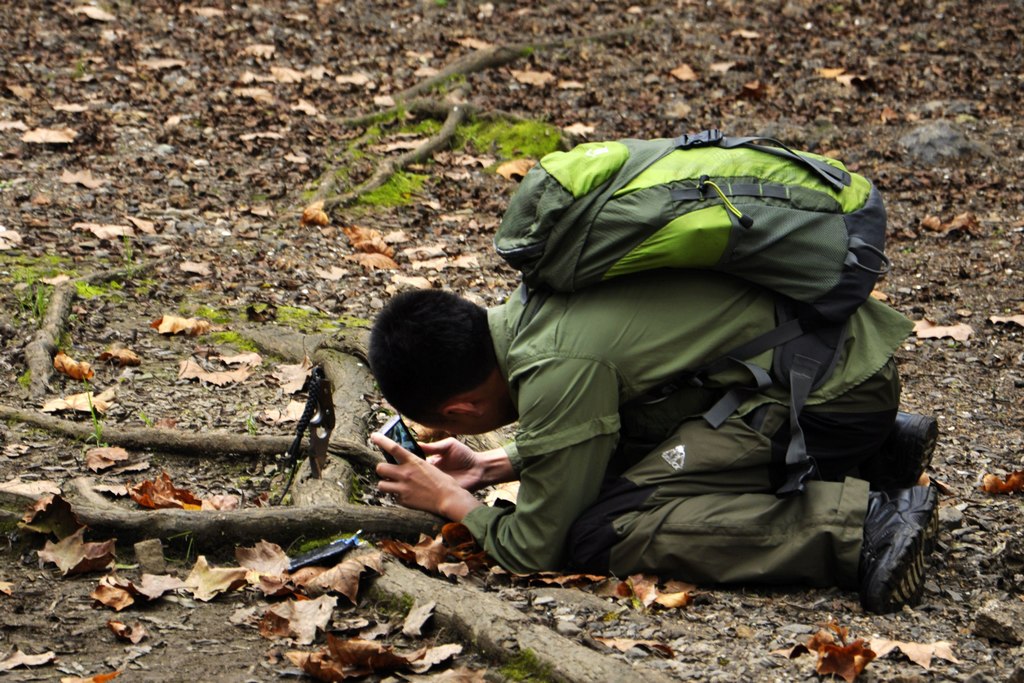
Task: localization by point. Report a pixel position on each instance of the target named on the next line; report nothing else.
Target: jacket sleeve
(568, 431)
(554, 490)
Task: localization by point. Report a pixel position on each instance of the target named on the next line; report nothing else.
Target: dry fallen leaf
(19, 658)
(105, 231)
(85, 402)
(121, 356)
(162, 493)
(190, 369)
(314, 214)
(172, 324)
(77, 370)
(83, 178)
(49, 136)
(74, 555)
(535, 78)
(98, 678)
(919, 653)
(99, 459)
(94, 13)
(264, 557)
(206, 582)
(373, 261)
(158, 64)
(515, 169)
(261, 95)
(298, 619)
(259, 50)
(1012, 483)
(9, 238)
(418, 615)
(684, 72)
(283, 74)
(627, 644)
(1015, 319)
(51, 514)
(133, 634)
(926, 329)
(368, 240)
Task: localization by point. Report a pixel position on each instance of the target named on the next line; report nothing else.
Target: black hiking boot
(899, 531)
(905, 455)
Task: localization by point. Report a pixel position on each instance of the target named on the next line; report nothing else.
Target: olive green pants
(701, 505)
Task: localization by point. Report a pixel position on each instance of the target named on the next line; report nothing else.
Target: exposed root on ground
(40, 350)
(452, 106)
(210, 530)
(501, 631)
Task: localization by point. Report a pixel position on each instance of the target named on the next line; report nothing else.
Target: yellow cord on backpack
(745, 220)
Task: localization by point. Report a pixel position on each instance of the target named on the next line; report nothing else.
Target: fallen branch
(40, 350)
(502, 631)
(500, 55)
(456, 115)
(202, 444)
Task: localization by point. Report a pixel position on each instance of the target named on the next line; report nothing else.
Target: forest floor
(166, 151)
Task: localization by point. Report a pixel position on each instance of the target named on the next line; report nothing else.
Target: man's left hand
(415, 483)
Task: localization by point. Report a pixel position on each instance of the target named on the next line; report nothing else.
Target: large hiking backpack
(799, 224)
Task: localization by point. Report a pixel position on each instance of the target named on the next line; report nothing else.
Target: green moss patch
(526, 667)
(399, 190)
(531, 139)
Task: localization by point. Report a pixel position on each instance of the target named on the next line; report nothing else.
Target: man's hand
(419, 484)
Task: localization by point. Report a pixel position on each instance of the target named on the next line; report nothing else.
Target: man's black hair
(427, 346)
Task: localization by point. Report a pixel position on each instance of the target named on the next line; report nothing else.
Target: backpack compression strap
(835, 177)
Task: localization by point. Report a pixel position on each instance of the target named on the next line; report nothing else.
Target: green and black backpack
(796, 223)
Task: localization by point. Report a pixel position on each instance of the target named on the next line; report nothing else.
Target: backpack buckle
(705, 138)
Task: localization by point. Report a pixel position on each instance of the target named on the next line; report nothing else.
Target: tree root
(181, 442)
(216, 529)
(456, 115)
(40, 350)
(454, 110)
(502, 631)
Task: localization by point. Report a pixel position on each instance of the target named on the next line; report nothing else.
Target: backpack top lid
(800, 224)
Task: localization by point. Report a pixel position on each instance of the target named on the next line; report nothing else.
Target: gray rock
(567, 628)
(150, 556)
(937, 140)
(1001, 620)
(950, 517)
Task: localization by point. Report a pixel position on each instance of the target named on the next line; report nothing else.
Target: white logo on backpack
(675, 457)
(596, 152)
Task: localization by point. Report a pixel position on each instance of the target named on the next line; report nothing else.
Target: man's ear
(461, 407)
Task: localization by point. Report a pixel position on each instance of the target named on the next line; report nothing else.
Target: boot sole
(906, 581)
(909, 577)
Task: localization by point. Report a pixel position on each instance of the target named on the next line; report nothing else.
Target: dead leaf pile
(355, 658)
(162, 493)
(643, 590)
(373, 253)
(453, 552)
(845, 661)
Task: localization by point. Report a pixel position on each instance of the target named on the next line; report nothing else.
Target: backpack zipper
(745, 220)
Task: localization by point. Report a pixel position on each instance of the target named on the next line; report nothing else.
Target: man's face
(481, 410)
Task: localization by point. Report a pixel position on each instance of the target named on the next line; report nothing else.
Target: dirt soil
(211, 124)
